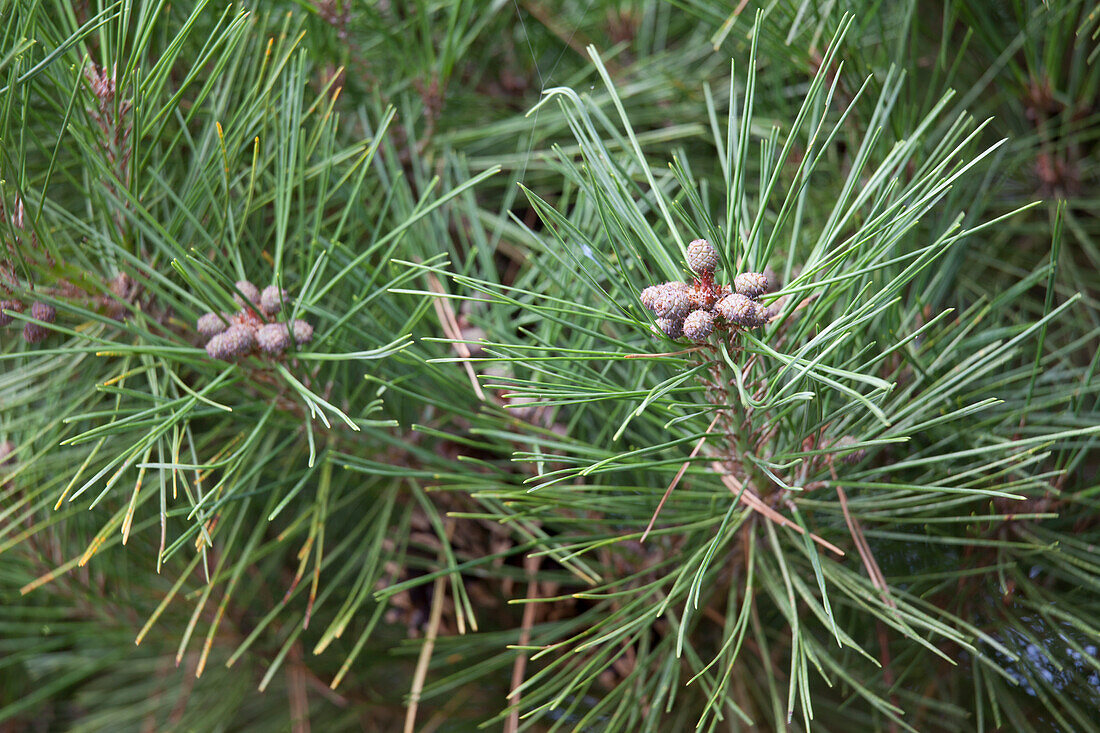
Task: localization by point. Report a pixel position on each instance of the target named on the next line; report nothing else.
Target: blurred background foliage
(349, 529)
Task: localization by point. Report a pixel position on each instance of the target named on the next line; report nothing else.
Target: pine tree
(535, 366)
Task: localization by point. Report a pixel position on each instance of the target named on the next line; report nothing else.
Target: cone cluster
(695, 309)
(254, 327)
(33, 333)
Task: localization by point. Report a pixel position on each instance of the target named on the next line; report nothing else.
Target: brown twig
(425, 658)
(450, 326)
(751, 500)
(869, 562)
(519, 667)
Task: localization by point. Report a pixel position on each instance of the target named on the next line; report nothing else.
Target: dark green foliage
(490, 489)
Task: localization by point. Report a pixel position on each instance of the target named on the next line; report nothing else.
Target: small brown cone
(211, 324)
(249, 291)
(303, 332)
(672, 302)
(673, 328)
(43, 312)
(233, 342)
(34, 333)
(273, 338)
(272, 299)
(751, 284)
(702, 257)
(9, 305)
(698, 325)
(739, 310)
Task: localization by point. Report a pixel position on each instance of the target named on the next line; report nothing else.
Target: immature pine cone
(211, 324)
(33, 333)
(739, 310)
(751, 284)
(43, 312)
(248, 290)
(272, 299)
(234, 341)
(701, 257)
(303, 332)
(673, 328)
(273, 338)
(648, 296)
(671, 302)
(698, 325)
(9, 305)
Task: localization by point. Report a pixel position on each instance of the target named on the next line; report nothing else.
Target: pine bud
(648, 296)
(751, 284)
(234, 341)
(43, 312)
(273, 338)
(272, 299)
(303, 332)
(698, 325)
(683, 287)
(9, 305)
(672, 302)
(248, 290)
(211, 324)
(33, 333)
(701, 257)
(739, 310)
(673, 328)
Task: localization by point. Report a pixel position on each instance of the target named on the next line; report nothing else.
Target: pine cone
(698, 325)
(273, 338)
(43, 312)
(303, 332)
(248, 290)
(6, 449)
(34, 333)
(751, 284)
(739, 310)
(211, 324)
(673, 328)
(701, 257)
(272, 299)
(649, 295)
(672, 301)
(234, 341)
(9, 305)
